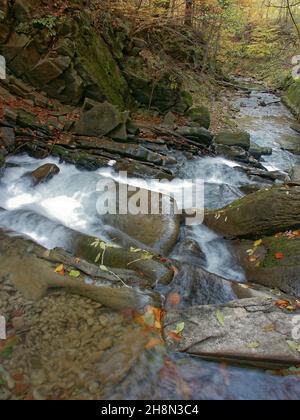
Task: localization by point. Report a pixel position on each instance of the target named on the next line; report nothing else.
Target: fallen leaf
(153, 342)
(279, 256)
(174, 299)
(269, 328)
(180, 328)
(282, 304)
(258, 243)
(104, 268)
(254, 345)
(74, 273)
(174, 336)
(220, 318)
(294, 346)
(60, 270)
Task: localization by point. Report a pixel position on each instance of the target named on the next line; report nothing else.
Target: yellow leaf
(59, 269)
(258, 243)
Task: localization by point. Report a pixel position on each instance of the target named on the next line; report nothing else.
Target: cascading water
(50, 214)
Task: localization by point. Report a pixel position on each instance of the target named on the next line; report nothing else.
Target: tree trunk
(189, 12)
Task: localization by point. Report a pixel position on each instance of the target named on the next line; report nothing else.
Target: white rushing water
(50, 212)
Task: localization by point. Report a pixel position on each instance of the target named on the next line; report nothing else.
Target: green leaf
(98, 257)
(74, 273)
(180, 328)
(254, 345)
(294, 346)
(220, 318)
(104, 268)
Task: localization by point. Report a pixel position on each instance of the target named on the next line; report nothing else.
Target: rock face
(163, 95)
(43, 173)
(70, 61)
(262, 213)
(275, 262)
(240, 139)
(292, 97)
(249, 330)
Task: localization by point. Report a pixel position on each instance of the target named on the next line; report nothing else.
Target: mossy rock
(292, 97)
(262, 213)
(237, 139)
(200, 115)
(275, 262)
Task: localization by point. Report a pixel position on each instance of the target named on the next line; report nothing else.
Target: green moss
(292, 98)
(290, 248)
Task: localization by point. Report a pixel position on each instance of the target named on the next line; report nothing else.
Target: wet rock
(239, 139)
(200, 115)
(238, 331)
(155, 230)
(257, 152)
(262, 213)
(295, 177)
(43, 174)
(7, 138)
(296, 127)
(38, 265)
(275, 262)
(197, 134)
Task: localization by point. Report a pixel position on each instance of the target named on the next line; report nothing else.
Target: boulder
(257, 152)
(274, 262)
(43, 174)
(197, 134)
(156, 231)
(296, 174)
(200, 115)
(262, 213)
(100, 121)
(252, 331)
(239, 139)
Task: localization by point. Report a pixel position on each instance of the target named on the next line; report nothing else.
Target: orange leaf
(174, 336)
(282, 304)
(153, 343)
(279, 256)
(174, 299)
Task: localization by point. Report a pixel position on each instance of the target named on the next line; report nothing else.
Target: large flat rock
(253, 331)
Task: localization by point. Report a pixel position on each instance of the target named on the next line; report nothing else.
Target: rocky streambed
(147, 307)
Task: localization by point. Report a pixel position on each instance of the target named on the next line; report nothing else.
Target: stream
(46, 212)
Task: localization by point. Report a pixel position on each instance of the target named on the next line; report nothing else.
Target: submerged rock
(262, 213)
(251, 331)
(43, 174)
